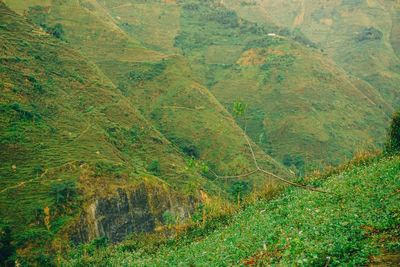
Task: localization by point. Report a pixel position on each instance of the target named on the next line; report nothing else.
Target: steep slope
(361, 36)
(299, 100)
(161, 86)
(301, 228)
(77, 158)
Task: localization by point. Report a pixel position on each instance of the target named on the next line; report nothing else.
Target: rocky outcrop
(137, 210)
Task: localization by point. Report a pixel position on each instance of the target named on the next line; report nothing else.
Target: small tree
(393, 142)
(239, 189)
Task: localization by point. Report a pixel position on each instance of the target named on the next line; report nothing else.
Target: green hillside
(162, 87)
(73, 142)
(361, 36)
(356, 224)
(70, 138)
(299, 99)
(156, 132)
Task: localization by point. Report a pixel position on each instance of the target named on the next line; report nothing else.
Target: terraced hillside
(161, 86)
(75, 146)
(72, 143)
(299, 99)
(361, 36)
(126, 117)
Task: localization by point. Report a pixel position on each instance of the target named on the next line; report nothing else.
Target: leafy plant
(168, 218)
(239, 108)
(240, 189)
(154, 168)
(393, 142)
(64, 192)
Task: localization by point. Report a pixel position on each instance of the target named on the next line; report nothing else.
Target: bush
(393, 142)
(64, 192)
(147, 71)
(57, 31)
(240, 189)
(369, 34)
(154, 168)
(7, 250)
(168, 218)
(109, 168)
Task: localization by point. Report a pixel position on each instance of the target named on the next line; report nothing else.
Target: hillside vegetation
(361, 36)
(299, 100)
(161, 86)
(155, 123)
(357, 221)
(69, 137)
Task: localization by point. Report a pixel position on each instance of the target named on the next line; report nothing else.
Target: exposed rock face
(131, 211)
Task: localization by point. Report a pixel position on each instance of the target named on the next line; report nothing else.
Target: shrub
(369, 34)
(109, 168)
(240, 189)
(147, 71)
(168, 218)
(191, 150)
(57, 30)
(7, 250)
(100, 242)
(64, 192)
(154, 168)
(393, 142)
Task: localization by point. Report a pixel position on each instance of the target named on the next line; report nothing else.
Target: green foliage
(147, 72)
(123, 138)
(38, 236)
(239, 108)
(100, 242)
(57, 30)
(369, 34)
(393, 142)
(190, 150)
(168, 218)
(299, 36)
(224, 16)
(7, 249)
(297, 228)
(109, 168)
(200, 166)
(21, 112)
(64, 192)
(39, 15)
(154, 168)
(240, 189)
(296, 161)
(36, 85)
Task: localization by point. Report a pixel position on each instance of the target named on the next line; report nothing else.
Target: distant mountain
(361, 36)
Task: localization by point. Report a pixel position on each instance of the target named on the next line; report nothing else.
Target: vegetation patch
(297, 228)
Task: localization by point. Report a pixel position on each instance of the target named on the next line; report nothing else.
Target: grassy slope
(63, 120)
(298, 228)
(335, 27)
(299, 100)
(182, 109)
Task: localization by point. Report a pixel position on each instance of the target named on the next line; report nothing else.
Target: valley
(173, 120)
